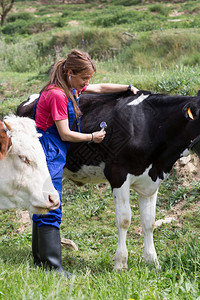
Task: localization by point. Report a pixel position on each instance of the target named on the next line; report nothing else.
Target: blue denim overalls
(56, 151)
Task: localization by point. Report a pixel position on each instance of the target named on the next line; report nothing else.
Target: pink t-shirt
(52, 106)
(83, 89)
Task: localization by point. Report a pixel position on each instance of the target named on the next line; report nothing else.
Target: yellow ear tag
(190, 113)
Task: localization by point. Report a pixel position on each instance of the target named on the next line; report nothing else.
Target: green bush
(59, 23)
(138, 20)
(180, 80)
(117, 18)
(66, 13)
(195, 23)
(126, 2)
(48, 9)
(19, 27)
(22, 27)
(19, 57)
(19, 16)
(159, 8)
(163, 1)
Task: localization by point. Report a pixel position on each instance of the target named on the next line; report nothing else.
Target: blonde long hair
(78, 62)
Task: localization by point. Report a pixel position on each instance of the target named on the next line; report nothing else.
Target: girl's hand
(134, 89)
(98, 136)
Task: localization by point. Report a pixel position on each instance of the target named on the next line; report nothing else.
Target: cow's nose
(53, 203)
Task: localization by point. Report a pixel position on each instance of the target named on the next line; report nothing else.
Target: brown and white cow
(145, 135)
(25, 181)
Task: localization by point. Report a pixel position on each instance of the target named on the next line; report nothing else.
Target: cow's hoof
(154, 263)
(157, 265)
(119, 271)
(120, 267)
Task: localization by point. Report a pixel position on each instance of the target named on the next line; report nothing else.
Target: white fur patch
(31, 99)
(137, 101)
(143, 184)
(20, 126)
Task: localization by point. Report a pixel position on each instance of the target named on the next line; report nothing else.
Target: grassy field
(154, 45)
(89, 221)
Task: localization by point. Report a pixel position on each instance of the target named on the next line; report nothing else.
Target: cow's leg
(123, 220)
(147, 216)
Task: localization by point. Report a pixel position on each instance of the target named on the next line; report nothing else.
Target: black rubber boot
(49, 249)
(35, 251)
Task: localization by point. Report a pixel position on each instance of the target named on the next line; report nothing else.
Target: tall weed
(19, 57)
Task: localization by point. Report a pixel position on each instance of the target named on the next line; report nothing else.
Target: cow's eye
(25, 159)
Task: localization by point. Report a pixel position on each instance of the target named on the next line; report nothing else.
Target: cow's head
(192, 113)
(24, 177)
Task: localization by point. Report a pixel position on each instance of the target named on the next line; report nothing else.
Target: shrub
(70, 12)
(126, 2)
(59, 23)
(160, 9)
(119, 17)
(66, 13)
(19, 57)
(19, 16)
(19, 26)
(33, 26)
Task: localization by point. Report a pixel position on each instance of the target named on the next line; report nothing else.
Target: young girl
(55, 113)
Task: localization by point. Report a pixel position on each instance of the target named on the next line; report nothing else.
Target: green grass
(16, 87)
(89, 221)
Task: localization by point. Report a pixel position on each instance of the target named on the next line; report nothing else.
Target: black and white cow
(145, 135)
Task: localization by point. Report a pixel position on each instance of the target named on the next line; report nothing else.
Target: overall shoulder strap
(78, 119)
(35, 106)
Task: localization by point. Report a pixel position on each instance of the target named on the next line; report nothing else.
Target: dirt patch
(177, 212)
(188, 168)
(175, 215)
(73, 23)
(175, 13)
(174, 20)
(30, 9)
(24, 220)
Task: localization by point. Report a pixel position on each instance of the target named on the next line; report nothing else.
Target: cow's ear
(5, 143)
(191, 111)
